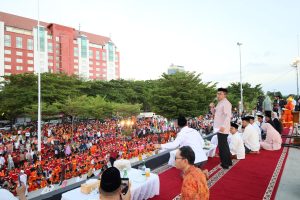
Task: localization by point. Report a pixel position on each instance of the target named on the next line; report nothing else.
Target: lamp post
(39, 84)
(295, 64)
(241, 83)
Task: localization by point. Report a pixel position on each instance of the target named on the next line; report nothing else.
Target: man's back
(193, 139)
(251, 138)
(194, 185)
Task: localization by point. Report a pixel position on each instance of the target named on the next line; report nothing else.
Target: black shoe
(224, 166)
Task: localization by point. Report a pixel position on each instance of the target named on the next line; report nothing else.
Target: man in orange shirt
(194, 185)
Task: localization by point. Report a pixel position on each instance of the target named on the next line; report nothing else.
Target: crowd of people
(71, 150)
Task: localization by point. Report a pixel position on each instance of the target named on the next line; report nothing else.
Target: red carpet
(256, 177)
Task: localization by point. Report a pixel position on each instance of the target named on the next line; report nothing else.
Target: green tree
(182, 93)
(250, 95)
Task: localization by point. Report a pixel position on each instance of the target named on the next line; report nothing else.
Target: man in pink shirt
(222, 117)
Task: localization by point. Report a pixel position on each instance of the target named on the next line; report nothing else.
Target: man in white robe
(188, 137)
(250, 137)
(236, 144)
(255, 125)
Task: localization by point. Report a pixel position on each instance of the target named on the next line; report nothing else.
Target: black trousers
(224, 151)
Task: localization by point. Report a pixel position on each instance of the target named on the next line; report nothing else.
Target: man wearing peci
(222, 117)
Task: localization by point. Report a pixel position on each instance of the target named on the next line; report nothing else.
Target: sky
(200, 35)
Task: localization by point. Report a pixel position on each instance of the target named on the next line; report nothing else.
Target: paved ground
(289, 187)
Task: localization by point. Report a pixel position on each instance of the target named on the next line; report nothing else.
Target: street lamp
(241, 86)
(295, 64)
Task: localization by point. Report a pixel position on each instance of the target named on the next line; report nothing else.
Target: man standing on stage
(222, 117)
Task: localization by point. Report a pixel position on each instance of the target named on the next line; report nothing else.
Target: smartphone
(124, 185)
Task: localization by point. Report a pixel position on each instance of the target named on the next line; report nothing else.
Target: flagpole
(39, 83)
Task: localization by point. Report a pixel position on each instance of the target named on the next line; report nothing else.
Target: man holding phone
(112, 187)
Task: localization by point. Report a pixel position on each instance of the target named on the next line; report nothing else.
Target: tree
(250, 95)
(182, 93)
(19, 91)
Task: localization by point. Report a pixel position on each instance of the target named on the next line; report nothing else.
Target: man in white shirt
(188, 137)
(23, 180)
(236, 144)
(250, 137)
(2, 161)
(258, 130)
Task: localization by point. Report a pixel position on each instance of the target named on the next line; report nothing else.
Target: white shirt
(23, 179)
(250, 138)
(236, 146)
(27, 134)
(7, 194)
(189, 137)
(258, 130)
(2, 160)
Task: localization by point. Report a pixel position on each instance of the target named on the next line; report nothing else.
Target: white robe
(189, 137)
(258, 130)
(251, 138)
(236, 146)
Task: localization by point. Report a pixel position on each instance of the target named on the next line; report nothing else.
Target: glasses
(179, 158)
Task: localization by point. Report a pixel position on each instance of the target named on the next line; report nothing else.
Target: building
(175, 68)
(62, 50)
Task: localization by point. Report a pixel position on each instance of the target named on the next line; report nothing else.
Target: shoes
(224, 166)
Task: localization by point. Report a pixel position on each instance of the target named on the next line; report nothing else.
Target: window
(57, 58)
(97, 63)
(7, 41)
(117, 58)
(57, 52)
(98, 69)
(57, 39)
(30, 54)
(97, 55)
(98, 75)
(76, 51)
(104, 64)
(84, 47)
(7, 59)
(29, 44)
(30, 61)
(18, 53)
(7, 51)
(76, 60)
(7, 73)
(42, 39)
(7, 66)
(30, 69)
(50, 64)
(91, 53)
(19, 42)
(19, 60)
(50, 57)
(50, 47)
(74, 41)
(19, 68)
(49, 36)
(110, 52)
(103, 55)
(75, 66)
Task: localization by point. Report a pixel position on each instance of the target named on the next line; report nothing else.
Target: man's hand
(127, 196)
(157, 146)
(222, 129)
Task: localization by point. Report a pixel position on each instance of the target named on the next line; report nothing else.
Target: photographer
(110, 186)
